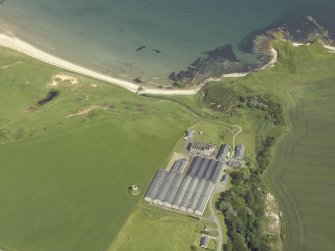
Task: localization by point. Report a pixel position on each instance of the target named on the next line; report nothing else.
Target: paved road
(218, 224)
(211, 209)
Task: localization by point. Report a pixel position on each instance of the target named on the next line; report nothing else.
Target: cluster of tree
(243, 207)
(273, 110)
(263, 152)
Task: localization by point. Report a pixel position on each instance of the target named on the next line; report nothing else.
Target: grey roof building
(202, 148)
(179, 165)
(162, 191)
(188, 195)
(204, 168)
(196, 196)
(204, 240)
(172, 191)
(155, 185)
(185, 193)
(223, 152)
(181, 192)
(204, 198)
(239, 151)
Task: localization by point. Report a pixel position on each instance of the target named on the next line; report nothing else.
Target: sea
(148, 39)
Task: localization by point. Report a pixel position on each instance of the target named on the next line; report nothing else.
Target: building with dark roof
(223, 152)
(179, 165)
(182, 192)
(204, 168)
(202, 148)
(239, 151)
(204, 240)
(155, 185)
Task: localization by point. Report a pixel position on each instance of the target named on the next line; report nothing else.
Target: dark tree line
(243, 208)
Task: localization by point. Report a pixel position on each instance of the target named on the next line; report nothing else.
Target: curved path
(236, 134)
(240, 130)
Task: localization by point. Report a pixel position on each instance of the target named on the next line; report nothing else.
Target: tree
(194, 248)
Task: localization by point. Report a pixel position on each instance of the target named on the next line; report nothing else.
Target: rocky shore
(223, 60)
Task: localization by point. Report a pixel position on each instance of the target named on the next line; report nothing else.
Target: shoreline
(21, 46)
(16, 44)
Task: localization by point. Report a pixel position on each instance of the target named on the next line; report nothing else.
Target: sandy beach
(16, 44)
(25, 48)
(331, 48)
(273, 60)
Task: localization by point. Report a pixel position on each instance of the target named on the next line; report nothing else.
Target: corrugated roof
(224, 149)
(160, 195)
(182, 190)
(204, 197)
(189, 193)
(171, 195)
(197, 194)
(155, 184)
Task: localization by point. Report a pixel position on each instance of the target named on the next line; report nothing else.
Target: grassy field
(64, 180)
(303, 173)
(154, 229)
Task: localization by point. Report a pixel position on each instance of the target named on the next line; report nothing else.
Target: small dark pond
(51, 95)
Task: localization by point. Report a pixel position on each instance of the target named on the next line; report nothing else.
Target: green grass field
(64, 180)
(303, 173)
(154, 229)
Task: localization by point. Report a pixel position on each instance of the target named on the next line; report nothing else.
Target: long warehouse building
(188, 193)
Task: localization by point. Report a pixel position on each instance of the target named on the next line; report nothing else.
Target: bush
(194, 248)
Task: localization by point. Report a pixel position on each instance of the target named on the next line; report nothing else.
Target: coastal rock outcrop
(223, 60)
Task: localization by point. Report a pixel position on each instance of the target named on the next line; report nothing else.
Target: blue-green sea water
(104, 34)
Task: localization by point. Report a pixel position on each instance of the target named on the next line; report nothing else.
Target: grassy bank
(150, 228)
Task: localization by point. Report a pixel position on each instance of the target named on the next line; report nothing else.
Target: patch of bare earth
(57, 79)
(273, 213)
(87, 110)
(68, 80)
